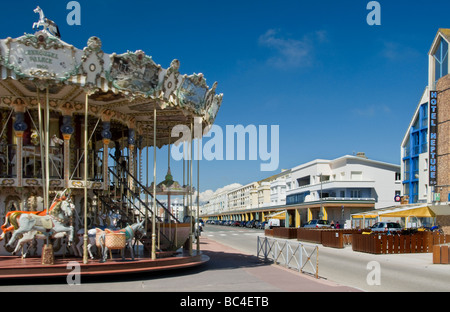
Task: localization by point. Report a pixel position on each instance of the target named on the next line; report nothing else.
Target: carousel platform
(16, 267)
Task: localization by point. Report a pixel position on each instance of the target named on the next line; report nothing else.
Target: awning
(278, 215)
(421, 211)
(367, 216)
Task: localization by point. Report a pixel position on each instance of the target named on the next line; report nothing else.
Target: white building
(329, 189)
(217, 204)
(244, 197)
(333, 189)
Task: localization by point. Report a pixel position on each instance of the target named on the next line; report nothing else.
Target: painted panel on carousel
(134, 72)
(40, 56)
(192, 93)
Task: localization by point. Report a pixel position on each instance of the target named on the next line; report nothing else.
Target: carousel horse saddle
(47, 223)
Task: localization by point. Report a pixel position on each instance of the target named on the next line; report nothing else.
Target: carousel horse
(30, 237)
(34, 153)
(48, 25)
(91, 242)
(107, 221)
(130, 231)
(12, 216)
(30, 224)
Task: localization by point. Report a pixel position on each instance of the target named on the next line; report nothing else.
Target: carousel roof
(122, 87)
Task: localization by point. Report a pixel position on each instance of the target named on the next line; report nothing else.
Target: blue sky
(333, 84)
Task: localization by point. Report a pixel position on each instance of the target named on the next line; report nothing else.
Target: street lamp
(321, 203)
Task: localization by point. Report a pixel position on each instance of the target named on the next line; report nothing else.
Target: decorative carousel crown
(42, 60)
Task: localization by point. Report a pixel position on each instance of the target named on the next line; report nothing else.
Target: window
(303, 181)
(441, 60)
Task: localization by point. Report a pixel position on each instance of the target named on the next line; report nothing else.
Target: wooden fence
(282, 232)
(327, 237)
(421, 242)
(441, 254)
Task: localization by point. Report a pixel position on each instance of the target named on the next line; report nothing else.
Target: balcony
(332, 184)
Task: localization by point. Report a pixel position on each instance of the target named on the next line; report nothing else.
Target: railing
(32, 161)
(141, 187)
(293, 255)
(94, 169)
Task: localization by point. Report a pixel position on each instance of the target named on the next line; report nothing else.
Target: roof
(442, 32)
(125, 88)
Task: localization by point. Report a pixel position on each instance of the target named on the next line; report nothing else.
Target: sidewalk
(271, 278)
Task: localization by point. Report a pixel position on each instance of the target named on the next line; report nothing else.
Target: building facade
(328, 189)
(334, 189)
(424, 145)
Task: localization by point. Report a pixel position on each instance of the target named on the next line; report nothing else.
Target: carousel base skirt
(16, 267)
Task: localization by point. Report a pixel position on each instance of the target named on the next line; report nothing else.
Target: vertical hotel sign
(433, 131)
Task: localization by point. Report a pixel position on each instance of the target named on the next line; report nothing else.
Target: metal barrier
(290, 254)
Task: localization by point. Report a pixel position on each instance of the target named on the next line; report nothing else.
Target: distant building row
(329, 189)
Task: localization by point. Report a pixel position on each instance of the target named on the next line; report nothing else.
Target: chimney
(361, 154)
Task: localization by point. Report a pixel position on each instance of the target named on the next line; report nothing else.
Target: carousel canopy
(121, 87)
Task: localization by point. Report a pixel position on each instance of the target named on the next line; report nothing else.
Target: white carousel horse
(31, 236)
(130, 231)
(52, 224)
(92, 233)
(47, 24)
(91, 241)
(55, 140)
(34, 152)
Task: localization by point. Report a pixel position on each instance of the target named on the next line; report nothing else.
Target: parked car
(386, 227)
(274, 223)
(236, 223)
(317, 224)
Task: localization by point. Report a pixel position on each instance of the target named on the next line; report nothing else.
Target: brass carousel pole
(146, 185)
(47, 158)
(41, 149)
(47, 256)
(198, 195)
(154, 188)
(85, 236)
(190, 193)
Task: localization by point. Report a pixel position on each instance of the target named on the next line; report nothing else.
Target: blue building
(415, 147)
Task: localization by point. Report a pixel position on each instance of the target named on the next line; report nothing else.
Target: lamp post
(321, 202)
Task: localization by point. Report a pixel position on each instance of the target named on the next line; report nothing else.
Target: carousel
(75, 125)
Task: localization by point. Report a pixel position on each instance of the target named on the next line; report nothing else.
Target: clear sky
(333, 84)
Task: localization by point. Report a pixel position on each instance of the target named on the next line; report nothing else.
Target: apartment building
(334, 189)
